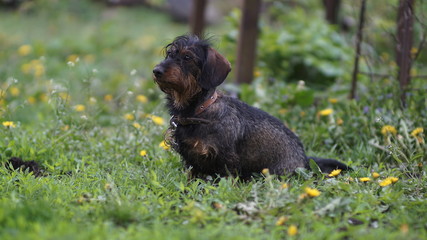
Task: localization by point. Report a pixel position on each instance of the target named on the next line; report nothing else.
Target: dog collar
(176, 121)
(207, 103)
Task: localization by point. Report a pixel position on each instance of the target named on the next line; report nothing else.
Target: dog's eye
(187, 57)
(172, 53)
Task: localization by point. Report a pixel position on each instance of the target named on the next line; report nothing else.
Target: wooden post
(248, 34)
(405, 23)
(358, 50)
(331, 10)
(197, 19)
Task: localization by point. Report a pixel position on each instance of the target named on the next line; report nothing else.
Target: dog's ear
(215, 70)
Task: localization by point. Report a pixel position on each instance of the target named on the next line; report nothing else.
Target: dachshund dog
(216, 134)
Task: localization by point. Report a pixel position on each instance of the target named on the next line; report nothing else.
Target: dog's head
(190, 66)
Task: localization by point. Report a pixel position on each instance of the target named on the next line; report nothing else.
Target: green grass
(98, 186)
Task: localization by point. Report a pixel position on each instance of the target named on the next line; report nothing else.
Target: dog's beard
(179, 87)
(183, 96)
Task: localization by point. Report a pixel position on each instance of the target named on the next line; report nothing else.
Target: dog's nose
(158, 71)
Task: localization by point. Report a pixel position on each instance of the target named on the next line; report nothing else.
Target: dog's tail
(328, 165)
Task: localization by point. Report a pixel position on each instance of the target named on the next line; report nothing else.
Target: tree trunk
(248, 34)
(405, 23)
(331, 10)
(197, 19)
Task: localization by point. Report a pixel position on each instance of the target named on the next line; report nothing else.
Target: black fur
(18, 163)
(233, 138)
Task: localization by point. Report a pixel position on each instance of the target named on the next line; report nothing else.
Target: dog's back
(242, 139)
(265, 142)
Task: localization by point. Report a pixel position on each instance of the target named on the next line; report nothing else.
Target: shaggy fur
(226, 137)
(15, 163)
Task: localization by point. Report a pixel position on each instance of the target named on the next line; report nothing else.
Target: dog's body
(239, 139)
(217, 134)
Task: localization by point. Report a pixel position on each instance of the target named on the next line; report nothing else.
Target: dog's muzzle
(158, 71)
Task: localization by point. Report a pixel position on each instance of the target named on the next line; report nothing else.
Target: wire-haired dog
(217, 134)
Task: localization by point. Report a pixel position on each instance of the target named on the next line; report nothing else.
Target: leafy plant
(295, 46)
(308, 49)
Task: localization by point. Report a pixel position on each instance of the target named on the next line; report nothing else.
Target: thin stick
(358, 49)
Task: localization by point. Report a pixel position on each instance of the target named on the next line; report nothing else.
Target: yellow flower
(164, 145)
(385, 182)
(302, 114)
(143, 153)
(136, 125)
(129, 117)
(302, 196)
(43, 97)
(284, 185)
(157, 120)
(31, 100)
(265, 171)
(326, 112)
(90, 58)
(9, 124)
(281, 221)
(388, 181)
(283, 111)
(394, 179)
(14, 91)
(38, 70)
(417, 131)
(108, 97)
(24, 50)
(80, 108)
(292, 230)
(388, 129)
(257, 73)
(335, 173)
(414, 51)
(65, 128)
(108, 186)
(340, 121)
(73, 58)
(365, 179)
(375, 175)
(35, 67)
(333, 100)
(141, 98)
(312, 192)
